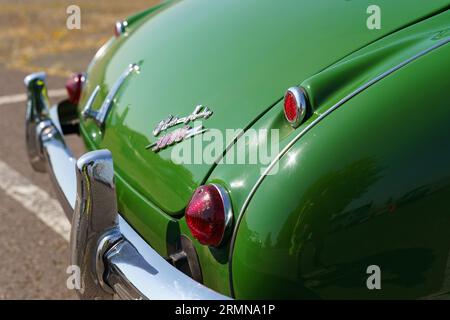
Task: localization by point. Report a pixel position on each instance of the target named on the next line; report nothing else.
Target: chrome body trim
(228, 209)
(121, 27)
(112, 257)
(180, 134)
(114, 260)
(162, 280)
(304, 131)
(175, 136)
(94, 220)
(36, 112)
(88, 112)
(46, 148)
(100, 115)
(198, 113)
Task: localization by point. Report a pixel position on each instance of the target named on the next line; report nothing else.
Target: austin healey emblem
(180, 134)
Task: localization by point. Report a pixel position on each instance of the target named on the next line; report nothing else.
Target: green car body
(365, 180)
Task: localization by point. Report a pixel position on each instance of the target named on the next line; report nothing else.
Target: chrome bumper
(113, 259)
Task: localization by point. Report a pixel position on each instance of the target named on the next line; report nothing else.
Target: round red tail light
(295, 102)
(209, 214)
(74, 85)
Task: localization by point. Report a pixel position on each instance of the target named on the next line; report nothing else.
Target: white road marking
(16, 98)
(34, 199)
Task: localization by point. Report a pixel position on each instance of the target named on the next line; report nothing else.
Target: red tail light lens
(74, 85)
(295, 103)
(208, 214)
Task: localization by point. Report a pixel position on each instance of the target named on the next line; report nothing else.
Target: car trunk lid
(235, 57)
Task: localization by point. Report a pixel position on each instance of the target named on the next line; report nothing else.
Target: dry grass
(33, 29)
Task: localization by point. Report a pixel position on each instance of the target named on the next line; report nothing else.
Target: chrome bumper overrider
(113, 259)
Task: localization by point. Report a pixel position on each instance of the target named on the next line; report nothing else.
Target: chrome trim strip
(106, 106)
(88, 112)
(304, 131)
(228, 210)
(100, 115)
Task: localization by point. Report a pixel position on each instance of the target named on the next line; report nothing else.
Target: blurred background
(33, 33)
(33, 230)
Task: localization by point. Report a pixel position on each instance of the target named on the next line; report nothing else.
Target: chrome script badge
(199, 112)
(180, 134)
(175, 136)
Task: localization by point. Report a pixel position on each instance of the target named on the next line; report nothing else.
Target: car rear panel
(236, 58)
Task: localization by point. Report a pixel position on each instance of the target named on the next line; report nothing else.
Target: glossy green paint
(368, 185)
(228, 55)
(328, 87)
(239, 61)
(370, 61)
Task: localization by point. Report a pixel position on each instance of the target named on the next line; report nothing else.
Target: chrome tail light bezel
(301, 101)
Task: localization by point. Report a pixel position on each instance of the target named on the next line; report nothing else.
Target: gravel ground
(34, 257)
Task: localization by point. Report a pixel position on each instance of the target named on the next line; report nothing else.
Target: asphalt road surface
(33, 229)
